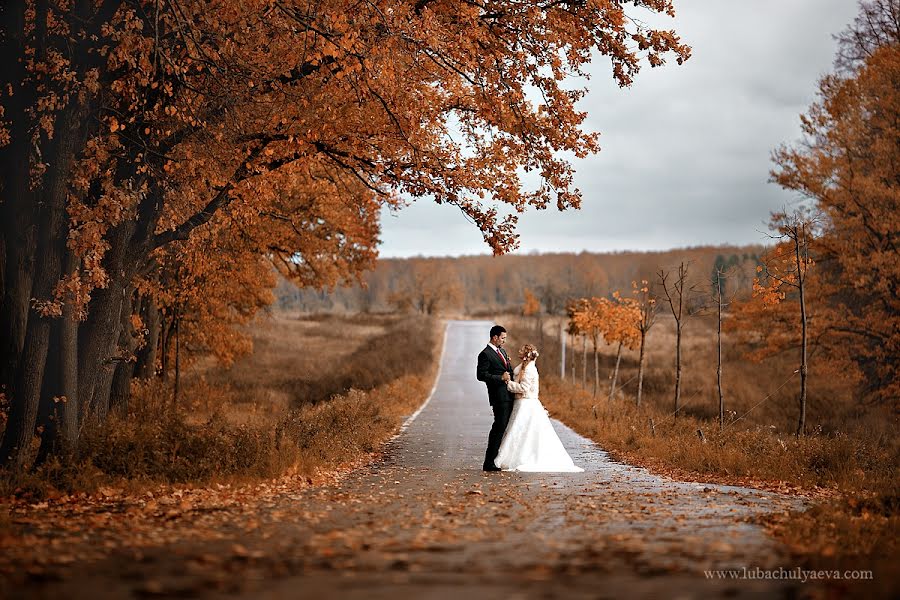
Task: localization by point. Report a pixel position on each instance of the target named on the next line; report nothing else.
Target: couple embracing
(522, 437)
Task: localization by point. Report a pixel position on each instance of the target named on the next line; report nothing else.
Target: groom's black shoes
(490, 468)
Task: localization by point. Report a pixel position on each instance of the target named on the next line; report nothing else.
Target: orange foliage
(290, 125)
(847, 166)
(615, 321)
(532, 305)
(172, 153)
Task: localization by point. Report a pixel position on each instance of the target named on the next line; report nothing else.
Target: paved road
(425, 521)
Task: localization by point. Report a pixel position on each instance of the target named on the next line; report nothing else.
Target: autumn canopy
(158, 157)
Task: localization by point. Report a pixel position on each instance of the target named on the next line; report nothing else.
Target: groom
(494, 369)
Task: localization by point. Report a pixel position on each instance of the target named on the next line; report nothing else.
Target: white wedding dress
(529, 442)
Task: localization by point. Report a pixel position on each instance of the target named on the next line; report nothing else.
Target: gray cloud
(686, 151)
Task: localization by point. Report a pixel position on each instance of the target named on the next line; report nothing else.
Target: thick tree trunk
(51, 386)
(51, 389)
(165, 346)
(18, 280)
(18, 214)
(124, 369)
(96, 342)
(25, 396)
(615, 376)
(100, 334)
(117, 353)
(68, 412)
(2, 269)
(120, 392)
(145, 367)
(27, 384)
(61, 382)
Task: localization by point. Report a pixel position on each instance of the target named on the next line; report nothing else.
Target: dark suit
(490, 370)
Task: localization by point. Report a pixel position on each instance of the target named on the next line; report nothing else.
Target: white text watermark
(792, 574)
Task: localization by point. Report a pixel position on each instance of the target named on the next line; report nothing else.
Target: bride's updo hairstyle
(529, 352)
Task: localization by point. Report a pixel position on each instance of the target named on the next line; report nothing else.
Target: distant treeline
(488, 284)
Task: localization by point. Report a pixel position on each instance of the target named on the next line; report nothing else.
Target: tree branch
(222, 198)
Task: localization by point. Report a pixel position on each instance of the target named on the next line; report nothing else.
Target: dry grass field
(317, 393)
(756, 394)
(296, 360)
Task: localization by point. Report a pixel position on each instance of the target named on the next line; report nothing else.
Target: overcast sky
(685, 153)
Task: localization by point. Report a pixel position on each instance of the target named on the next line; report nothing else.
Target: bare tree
(796, 232)
(720, 274)
(676, 298)
(876, 26)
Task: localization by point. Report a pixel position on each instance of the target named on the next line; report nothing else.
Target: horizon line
(538, 252)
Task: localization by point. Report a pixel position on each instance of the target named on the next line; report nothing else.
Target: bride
(529, 442)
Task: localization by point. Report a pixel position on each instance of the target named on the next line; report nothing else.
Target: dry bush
(355, 423)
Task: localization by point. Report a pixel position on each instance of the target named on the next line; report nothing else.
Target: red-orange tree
(848, 165)
(614, 321)
(647, 309)
(623, 328)
(132, 125)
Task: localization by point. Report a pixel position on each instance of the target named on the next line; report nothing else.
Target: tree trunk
(20, 239)
(583, 361)
(28, 380)
(719, 351)
(801, 424)
(100, 333)
(574, 359)
(51, 385)
(641, 369)
(677, 368)
(177, 357)
(61, 382)
(145, 367)
(97, 340)
(168, 329)
(119, 352)
(68, 412)
(120, 392)
(612, 387)
(562, 351)
(596, 367)
(18, 208)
